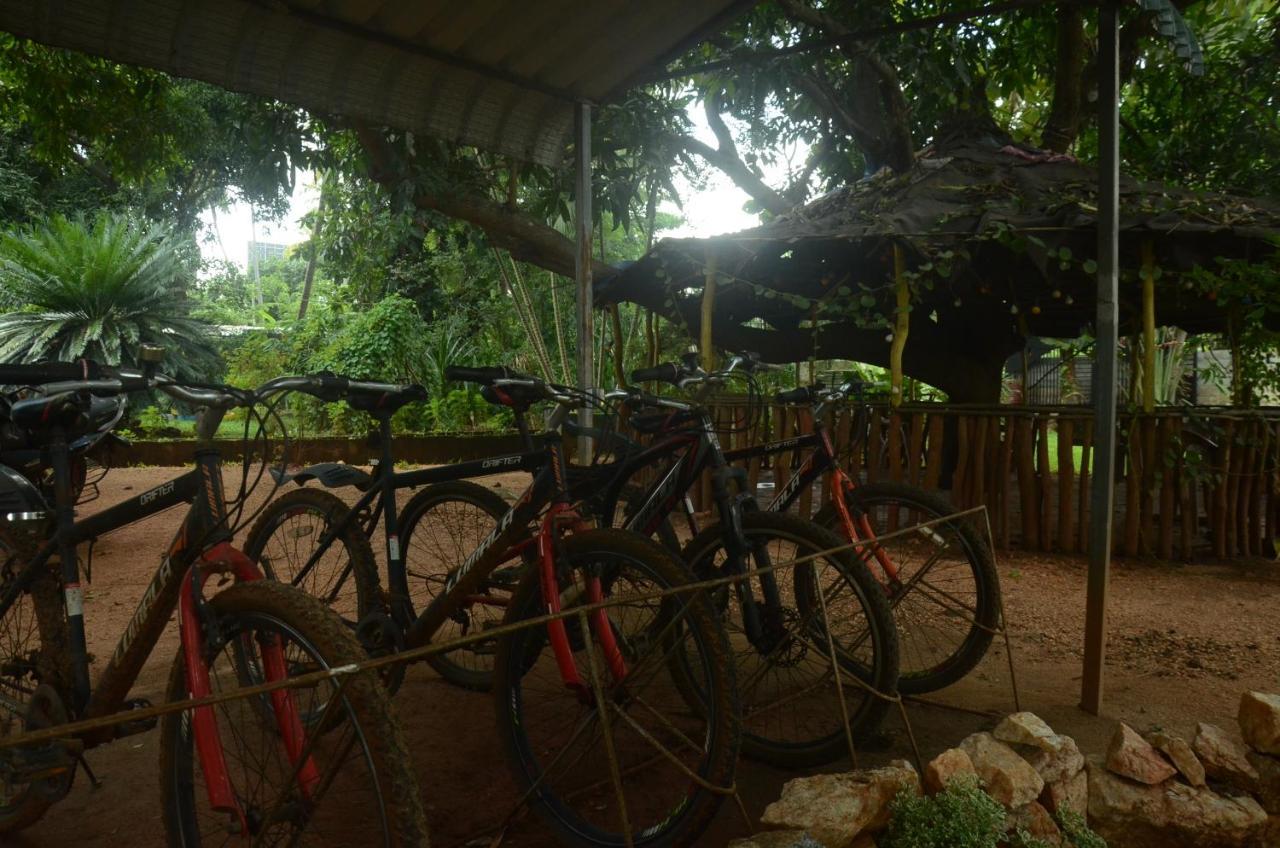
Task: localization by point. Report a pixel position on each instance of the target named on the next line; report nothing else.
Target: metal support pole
(1104, 359)
(582, 263)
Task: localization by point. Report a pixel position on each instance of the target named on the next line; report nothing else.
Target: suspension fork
(559, 516)
(196, 626)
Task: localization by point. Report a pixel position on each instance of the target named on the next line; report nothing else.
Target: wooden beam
(901, 323)
(1148, 327)
(708, 312)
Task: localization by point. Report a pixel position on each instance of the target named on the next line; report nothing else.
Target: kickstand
(88, 772)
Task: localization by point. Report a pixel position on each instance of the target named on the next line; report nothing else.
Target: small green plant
(960, 816)
(153, 421)
(1077, 831)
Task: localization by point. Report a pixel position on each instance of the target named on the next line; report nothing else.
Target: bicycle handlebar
(37, 373)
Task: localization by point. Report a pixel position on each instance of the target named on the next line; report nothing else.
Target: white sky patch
(710, 209)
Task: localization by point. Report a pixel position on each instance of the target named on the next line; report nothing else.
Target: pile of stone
(1152, 791)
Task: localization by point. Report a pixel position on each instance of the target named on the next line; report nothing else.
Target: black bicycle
(669, 714)
(323, 764)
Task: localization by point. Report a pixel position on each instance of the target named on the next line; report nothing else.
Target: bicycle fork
(560, 515)
(193, 623)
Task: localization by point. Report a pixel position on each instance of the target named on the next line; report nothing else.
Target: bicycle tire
(365, 708)
(468, 509)
(38, 614)
(615, 553)
(923, 671)
(281, 559)
(817, 735)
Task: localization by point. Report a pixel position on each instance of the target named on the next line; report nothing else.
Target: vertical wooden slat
(1244, 509)
(1042, 478)
(894, 447)
(873, 447)
(933, 450)
(1066, 480)
(1168, 492)
(804, 424)
(1086, 471)
(1258, 472)
(991, 467)
(978, 461)
(1188, 513)
(959, 477)
(1132, 487)
(915, 443)
(1223, 467)
(1024, 450)
(1147, 486)
(1003, 473)
(1233, 487)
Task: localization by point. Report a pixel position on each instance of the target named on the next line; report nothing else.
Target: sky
(713, 208)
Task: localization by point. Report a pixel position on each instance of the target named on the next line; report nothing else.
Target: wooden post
(1066, 477)
(615, 324)
(1148, 328)
(708, 312)
(900, 327)
(582, 266)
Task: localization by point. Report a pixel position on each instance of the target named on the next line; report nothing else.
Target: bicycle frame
(200, 549)
(697, 449)
(509, 540)
(822, 460)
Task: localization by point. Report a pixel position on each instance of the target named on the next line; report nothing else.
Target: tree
(99, 290)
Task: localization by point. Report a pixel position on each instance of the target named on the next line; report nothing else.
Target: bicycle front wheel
(792, 715)
(944, 589)
(671, 762)
(441, 526)
(363, 790)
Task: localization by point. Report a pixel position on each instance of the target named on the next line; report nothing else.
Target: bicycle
(556, 730)
(792, 713)
(269, 766)
(940, 579)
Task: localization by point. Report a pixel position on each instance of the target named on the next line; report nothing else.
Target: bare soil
(1185, 641)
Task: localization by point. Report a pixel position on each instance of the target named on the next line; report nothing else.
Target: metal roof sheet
(497, 74)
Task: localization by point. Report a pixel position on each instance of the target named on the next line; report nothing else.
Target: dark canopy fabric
(977, 223)
(499, 74)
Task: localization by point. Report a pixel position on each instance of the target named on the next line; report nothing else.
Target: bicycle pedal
(135, 726)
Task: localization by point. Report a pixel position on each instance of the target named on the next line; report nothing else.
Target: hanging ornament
(957, 303)
(1013, 310)
(888, 337)
(1035, 310)
(1057, 293)
(1070, 300)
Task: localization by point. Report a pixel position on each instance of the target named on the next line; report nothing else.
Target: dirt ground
(1185, 640)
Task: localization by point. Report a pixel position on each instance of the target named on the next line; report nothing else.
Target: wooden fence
(1189, 483)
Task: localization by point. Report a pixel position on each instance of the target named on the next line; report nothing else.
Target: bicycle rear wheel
(946, 594)
(674, 760)
(290, 529)
(786, 678)
(365, 793)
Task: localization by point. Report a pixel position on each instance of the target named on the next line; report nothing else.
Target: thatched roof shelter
(997, 244)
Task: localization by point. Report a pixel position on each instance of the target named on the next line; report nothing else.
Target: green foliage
(99, 290)
(1077, 831)
(960, 816)
(1250, 293)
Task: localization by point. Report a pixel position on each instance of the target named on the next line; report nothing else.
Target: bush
(960, 816)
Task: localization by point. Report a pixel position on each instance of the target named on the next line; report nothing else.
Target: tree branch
(525, 238)
(733, 167)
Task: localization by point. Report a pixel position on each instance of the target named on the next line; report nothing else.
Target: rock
(1131, 756)
(1060, 763)
(945, 767)
(1026, 729)
(1268, 790)
(1223, 759)
(1139, 815)
(1259, 718)
(1069, 794)
(1006, 776)
(1035, 820)
(835, 808)
(1181, 755)
(777, 839)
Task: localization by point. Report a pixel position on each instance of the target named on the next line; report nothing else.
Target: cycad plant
(99, 290)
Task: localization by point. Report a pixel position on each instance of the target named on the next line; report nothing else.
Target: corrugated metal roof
(497, 74)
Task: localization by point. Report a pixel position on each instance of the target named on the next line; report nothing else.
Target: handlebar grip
(801, 394)
(34, 374)
(329, 386)
(667, 372)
